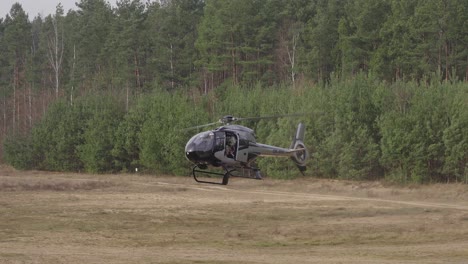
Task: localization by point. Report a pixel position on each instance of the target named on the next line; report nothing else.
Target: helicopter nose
(197, 156)
(191, 155)
(199, 148)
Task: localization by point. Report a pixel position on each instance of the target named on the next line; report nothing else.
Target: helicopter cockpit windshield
(200, 147)
(203, 141)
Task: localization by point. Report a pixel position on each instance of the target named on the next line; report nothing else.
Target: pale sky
(43, 7)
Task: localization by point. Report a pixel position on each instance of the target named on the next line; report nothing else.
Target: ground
(79, 218)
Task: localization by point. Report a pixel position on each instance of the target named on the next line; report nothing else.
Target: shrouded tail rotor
(300, 154)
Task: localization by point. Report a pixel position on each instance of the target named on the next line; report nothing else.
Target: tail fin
(301, 154)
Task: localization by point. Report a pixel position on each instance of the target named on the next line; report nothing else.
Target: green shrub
(99, 136)
(56, 137)
(18, 152)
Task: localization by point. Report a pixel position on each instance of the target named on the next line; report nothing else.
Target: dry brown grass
(75, 218)
(57, 185)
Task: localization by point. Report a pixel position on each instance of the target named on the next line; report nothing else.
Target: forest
(383, 85)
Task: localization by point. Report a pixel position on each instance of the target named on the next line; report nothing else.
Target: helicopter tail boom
(297, 152)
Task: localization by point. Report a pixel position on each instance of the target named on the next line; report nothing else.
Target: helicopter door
(230, 150)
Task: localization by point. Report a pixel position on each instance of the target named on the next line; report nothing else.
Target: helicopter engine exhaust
(300, 154)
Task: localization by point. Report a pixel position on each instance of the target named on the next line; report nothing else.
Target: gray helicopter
(234, 148)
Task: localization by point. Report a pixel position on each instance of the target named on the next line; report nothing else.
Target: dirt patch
(77, 218)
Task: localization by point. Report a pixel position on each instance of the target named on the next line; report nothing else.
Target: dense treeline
(121, 79)
(358, 128)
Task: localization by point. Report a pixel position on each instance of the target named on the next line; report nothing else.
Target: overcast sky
(43, 7)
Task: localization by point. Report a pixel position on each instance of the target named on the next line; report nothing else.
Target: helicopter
(234, 148)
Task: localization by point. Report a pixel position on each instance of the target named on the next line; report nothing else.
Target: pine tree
(17, 43)
(172, 27)
(93, 22)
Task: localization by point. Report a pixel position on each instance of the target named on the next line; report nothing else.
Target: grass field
(80, 218)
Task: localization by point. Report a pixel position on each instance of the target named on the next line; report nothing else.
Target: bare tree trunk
(4, 117)
(206, 82)
(30, 108)
(73, 75)
(17, 110)
(127, 98)
(233, 61)
(137, 71)
(172, 67)
(292, 58)
(439, 59)
(55, 53)
(23, 108)
(466, 75)
(212, 81)
(44, 96)
(446, 61)
(15, 82)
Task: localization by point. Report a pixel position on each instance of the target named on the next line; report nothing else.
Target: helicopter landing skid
(196, 169)
(226, 175)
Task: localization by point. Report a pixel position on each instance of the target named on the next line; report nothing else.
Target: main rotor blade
(270, 117)
(201, 126)
(228, 119)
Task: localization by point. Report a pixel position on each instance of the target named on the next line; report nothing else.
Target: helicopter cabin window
(219, 145)
(231, 145)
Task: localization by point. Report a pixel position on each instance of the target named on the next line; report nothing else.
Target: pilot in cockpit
(231, 146)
